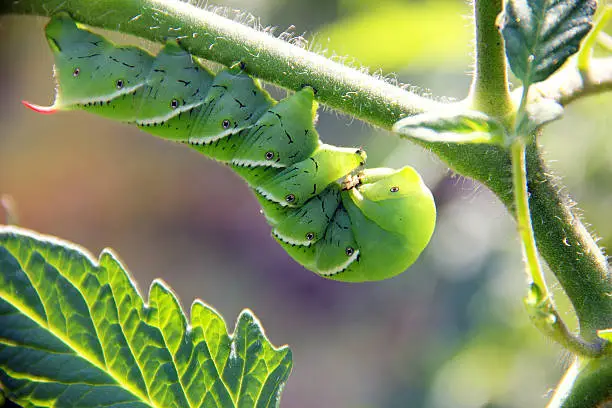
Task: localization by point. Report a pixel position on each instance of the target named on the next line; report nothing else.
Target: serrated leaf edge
(244, 314)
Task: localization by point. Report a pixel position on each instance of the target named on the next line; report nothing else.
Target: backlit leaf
(452, 126)
(540, 35)
(75, 332)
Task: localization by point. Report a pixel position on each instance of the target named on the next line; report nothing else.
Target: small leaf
(541, 35)
(452, 126)
(539, 113)
(75, 332)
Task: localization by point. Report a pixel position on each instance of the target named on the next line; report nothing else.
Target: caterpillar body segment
(234, 102)
(280, 138)
(93, 74)
(338, 250)
(333, 255)
(330, 214)
(176, 83)
(307, 224)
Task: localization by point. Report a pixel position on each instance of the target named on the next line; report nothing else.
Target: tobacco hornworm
(332, 216)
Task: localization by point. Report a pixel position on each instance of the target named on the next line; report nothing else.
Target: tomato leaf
(540, 35)
(75, 332)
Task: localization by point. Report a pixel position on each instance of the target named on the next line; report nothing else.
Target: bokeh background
(451, 331)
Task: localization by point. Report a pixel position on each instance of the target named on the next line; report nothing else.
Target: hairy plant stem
(219, 39)
(563, 241)
(489, 91)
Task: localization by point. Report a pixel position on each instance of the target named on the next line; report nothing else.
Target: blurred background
(451, 331)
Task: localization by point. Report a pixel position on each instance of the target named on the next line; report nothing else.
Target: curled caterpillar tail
(331, 215)
(45, 110)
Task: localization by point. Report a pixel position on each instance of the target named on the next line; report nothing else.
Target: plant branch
(570, 251)
(605, 41)
(569, 84)
(585, 54)
(563, 241)
(213, 37)
(545, 317)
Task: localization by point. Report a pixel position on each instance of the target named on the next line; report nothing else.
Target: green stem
(562, 239)
(539, 302)
(586, 52)
(545, 317)
(605, 41)
(523, 217)
(489, 91)
(569, 83)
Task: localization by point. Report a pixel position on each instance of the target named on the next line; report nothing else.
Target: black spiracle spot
(314, 90)
(76, 72)
(290, 198)
(269, 155)
(394, 189)
(349, 251)
(225, 124)
(174, 104)
(310, 236)
(119, 84)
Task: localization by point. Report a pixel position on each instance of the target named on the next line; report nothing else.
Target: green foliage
(541, 35)
(75, 332)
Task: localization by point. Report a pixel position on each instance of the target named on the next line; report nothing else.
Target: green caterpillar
(332, 216)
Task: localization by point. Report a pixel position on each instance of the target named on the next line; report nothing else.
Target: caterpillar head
(396, 200)
(388, 184)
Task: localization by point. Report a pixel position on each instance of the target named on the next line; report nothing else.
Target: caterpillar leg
(295, 185)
